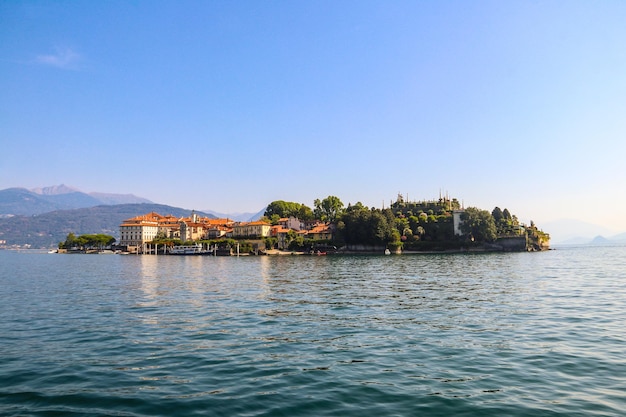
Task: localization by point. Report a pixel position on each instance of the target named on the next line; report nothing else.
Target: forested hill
(48, 229)
(20, 201)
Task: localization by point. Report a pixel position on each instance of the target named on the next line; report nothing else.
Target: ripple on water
(497, 334)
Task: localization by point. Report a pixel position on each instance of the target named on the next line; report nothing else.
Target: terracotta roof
(321, 228)
(255, 223)
(172, 222)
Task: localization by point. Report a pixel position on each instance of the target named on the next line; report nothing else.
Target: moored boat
(189, 250)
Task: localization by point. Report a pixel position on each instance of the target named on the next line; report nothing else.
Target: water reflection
(149, 269)
(510, 334)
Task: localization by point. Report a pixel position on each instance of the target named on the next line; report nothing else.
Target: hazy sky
(231, 105)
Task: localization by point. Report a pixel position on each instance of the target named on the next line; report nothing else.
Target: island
(438, 225)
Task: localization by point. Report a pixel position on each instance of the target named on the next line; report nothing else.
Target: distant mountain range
(20, 201)
(48, 229)
(239, 217)
(42, 217)
(576, 232)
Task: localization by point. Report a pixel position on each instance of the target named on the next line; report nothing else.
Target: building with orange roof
(292, 223)
(322, 231)
(280, 233)
(143, 229)
(140, 229)
(254, 229)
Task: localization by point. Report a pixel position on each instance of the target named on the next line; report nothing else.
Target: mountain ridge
(21, 201)
(48, 229)
(575, 232)
(240, 217)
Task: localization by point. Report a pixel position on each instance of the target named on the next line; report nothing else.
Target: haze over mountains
(577, 232)
(42, 217)
(239, 217)
(22, 219)
(20, 201)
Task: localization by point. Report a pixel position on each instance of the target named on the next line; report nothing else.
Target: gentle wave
(476, 334)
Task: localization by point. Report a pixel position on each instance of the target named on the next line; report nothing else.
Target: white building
(139, 230)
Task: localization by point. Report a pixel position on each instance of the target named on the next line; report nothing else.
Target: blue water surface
(510, 334)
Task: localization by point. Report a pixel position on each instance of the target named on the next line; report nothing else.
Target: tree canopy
(280, 209)
(95, 241)
(360, 225)
(479, 225)
(328, 209)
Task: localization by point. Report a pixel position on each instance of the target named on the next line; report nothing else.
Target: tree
(497, 214)
(70, 242)
(402, 224)
(479, 225)
(360, 225)
(270, 242)
(328, 209)
(280, 208)
(305, 213)
(98, 241)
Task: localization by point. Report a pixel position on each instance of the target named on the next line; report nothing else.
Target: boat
(189, 250)
(321, 250)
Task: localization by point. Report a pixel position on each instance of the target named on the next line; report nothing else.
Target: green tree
(270, 242)
(497, 214)
(402, 224)
(479, 225)
(328, 209)
(70, 241)
(305, 213)
(280, 208)
(97, 241)
(360, 225)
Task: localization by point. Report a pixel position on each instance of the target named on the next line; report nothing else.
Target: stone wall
(510, 244)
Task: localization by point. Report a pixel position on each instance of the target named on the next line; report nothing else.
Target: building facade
(252, 229)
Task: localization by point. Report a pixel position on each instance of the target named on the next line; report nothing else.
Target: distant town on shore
(439, 225)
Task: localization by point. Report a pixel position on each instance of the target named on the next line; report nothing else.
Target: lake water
(519, 334)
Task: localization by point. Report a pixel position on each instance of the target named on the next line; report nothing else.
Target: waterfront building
(139, 230)
(292, 223)
(280, 233)
(254, 229)
(321, 231)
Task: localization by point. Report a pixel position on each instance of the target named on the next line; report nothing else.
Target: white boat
(188, 250)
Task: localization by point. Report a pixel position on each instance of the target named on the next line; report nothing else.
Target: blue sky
(231, 105)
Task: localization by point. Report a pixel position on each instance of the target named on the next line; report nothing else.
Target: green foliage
(297, 243)
(506, 224)
(245, 247)
(279, 209)
(86, 242)
(440, 206)
(270, 242)
(478, 225)
(360, 225)
(497, 214)
(328, 209)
